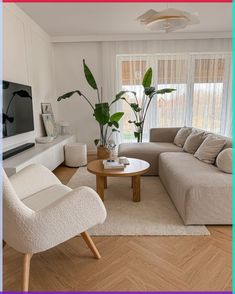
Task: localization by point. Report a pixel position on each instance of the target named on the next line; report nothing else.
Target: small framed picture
(46, 108)
(49, 124)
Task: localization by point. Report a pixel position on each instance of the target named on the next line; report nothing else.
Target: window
(208, 93)
(201, 97)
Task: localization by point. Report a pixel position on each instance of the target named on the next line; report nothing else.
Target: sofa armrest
(163, 134)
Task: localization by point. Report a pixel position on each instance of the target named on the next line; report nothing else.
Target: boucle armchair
(39, 212)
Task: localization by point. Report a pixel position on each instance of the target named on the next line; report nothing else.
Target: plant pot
(103, 152)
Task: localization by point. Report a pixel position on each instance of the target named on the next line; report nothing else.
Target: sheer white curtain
(202, 81)
(172, 72)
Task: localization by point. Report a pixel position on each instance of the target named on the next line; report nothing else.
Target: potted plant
(108, 123)
(140, 107)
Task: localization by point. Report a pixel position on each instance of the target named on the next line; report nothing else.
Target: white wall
(27, 59)
(70, 76)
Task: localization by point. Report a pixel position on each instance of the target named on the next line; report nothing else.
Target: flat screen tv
(17, 112)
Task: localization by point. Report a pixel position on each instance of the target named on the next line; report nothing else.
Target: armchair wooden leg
(26, 270)
(3, 243)
(86, 237)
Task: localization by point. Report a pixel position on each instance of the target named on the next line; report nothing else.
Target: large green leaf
(68, 95)
(89, 76)
(135, 107)
(96, 141)
(116, 124)
(147, 80)
(164, 91)
(115, 130)
(120, 95)
(101, 113)
(116, 116)
(149, 90)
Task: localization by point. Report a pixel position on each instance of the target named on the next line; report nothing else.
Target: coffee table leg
(105, 183)
(136, 188)
(100, 186)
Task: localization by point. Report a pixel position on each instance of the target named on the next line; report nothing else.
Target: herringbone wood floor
(128, 263)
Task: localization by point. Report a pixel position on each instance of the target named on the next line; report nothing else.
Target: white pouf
(75, 154)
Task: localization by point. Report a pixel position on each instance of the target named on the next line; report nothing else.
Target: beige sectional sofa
(201, 192)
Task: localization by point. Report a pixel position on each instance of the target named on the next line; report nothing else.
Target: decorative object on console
(44, 140)
(108, 123)
(46, 108)
(50, 125)
(64, 125)
(141, 105)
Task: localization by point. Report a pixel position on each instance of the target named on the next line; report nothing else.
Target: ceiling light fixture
(167, 20)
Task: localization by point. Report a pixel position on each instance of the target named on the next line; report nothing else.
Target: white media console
(50, 155)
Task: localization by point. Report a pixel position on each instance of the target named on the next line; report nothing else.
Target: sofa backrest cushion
(210, 148)
(193, 141)
(181, 136)
(228, 140)
(165, 135)
(224, 160)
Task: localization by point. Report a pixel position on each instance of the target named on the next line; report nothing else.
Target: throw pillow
(209, 149)
(181, 136)
(193, 141)
(224, 161)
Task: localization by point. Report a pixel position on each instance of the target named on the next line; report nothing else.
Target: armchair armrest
(67, 217)
(32, 179)
(163, 134)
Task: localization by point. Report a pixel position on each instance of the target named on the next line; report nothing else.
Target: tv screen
(17, 112)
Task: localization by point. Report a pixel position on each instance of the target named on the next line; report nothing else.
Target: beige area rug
(154, 215)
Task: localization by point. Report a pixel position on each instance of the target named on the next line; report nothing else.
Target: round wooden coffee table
(135, 169)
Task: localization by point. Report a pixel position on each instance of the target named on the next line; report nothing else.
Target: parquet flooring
(146, 263)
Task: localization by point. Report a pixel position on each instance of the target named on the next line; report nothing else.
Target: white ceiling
(80, 19)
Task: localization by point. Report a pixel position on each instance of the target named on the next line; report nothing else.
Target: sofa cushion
(224, 161)
(181, 136)
(193, 141)
(201, 192)
(148, 152)
(210, 148)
